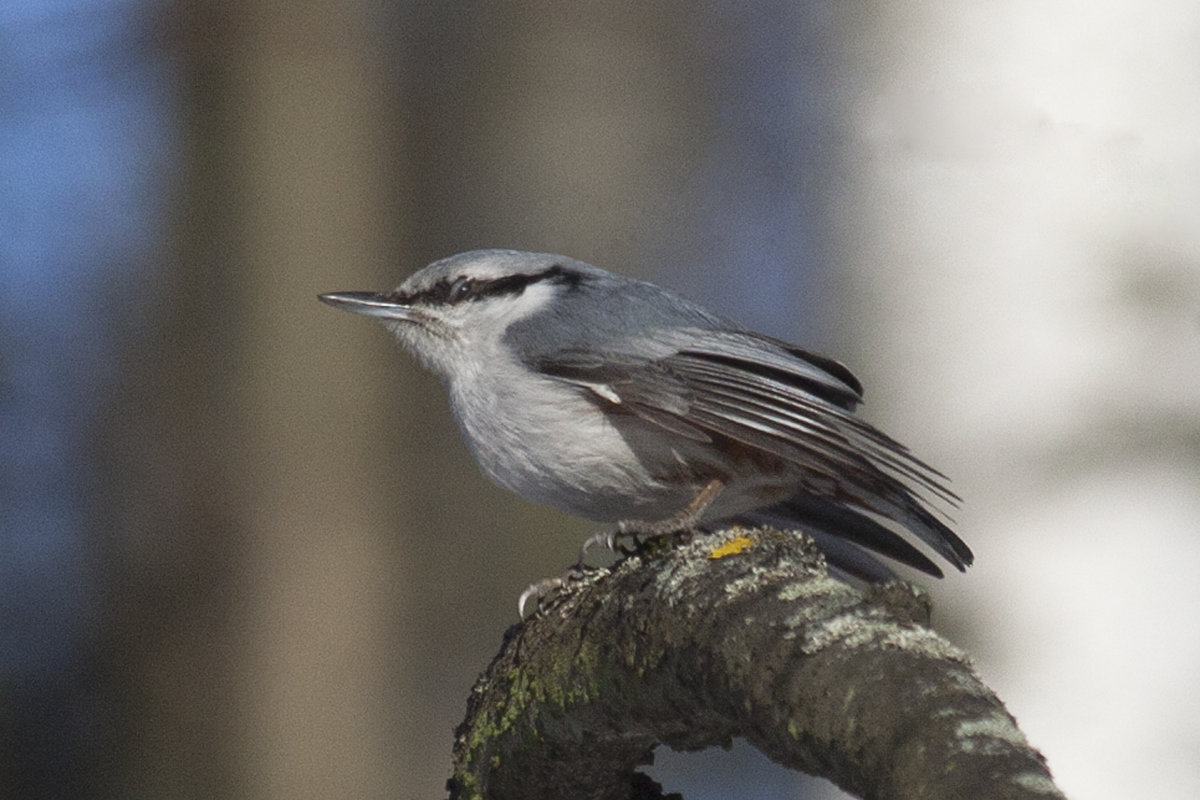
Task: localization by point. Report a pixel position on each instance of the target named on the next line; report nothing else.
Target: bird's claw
(612, 540)
(549, 592)
(538, 591)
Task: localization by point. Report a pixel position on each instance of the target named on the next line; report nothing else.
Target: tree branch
(737, 633)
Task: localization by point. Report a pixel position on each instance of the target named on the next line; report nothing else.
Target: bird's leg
(547, 591)
(684, 521)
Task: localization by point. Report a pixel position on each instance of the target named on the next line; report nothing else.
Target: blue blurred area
(84, 143)
(759, 191)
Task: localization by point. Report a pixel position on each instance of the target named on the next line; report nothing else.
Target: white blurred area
(1022, 225)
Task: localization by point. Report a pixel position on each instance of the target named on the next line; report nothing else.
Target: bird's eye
(460, 290)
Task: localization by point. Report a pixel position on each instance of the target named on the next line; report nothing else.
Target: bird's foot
(548, 593)
(628, 538)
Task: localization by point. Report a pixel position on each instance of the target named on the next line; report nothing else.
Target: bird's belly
(557, 447)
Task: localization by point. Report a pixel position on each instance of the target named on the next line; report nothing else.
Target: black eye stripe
(462, 289)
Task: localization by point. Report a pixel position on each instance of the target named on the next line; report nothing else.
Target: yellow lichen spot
(732, 547)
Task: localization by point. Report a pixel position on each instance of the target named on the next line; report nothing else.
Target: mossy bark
(737, 633)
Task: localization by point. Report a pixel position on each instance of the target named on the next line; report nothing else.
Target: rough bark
(737, 633)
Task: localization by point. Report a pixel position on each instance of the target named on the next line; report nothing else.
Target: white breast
(546, 441)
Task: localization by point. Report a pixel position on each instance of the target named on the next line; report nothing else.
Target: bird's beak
(372, 304)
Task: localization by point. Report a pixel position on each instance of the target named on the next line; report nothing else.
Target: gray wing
(708, 385)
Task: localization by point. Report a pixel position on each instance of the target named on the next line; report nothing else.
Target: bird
(622, 402)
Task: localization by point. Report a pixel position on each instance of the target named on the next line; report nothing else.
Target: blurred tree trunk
(320, 631)
(255, 573)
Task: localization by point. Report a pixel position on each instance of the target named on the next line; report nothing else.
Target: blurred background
(243, 552)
